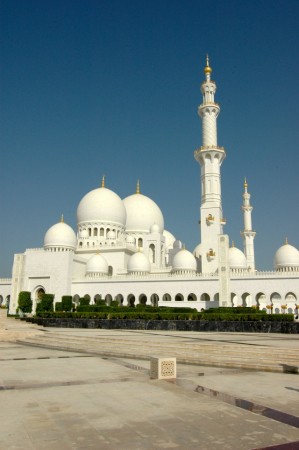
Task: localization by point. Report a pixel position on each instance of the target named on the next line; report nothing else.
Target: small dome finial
(233, 244)
(62, 218)
(138, 187)
(286, 241)
(207, 69)
(103, 181)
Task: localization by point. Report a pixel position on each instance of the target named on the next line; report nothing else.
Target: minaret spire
(248, 234)
(208, 69)
(103, 181)
(210, 157)
(138, 187)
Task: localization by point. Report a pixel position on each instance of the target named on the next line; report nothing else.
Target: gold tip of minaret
(138, 187)
(207, 69)
(103, 181)
(245, 183)
(62, 218)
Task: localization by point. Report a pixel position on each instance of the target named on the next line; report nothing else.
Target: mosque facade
(122, 251)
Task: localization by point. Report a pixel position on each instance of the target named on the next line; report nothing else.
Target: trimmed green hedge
(67, 303)
(125, 314)
(46, 304)
(235, 310)
(25, 302)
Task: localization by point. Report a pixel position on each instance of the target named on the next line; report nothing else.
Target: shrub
(67, 302)
(84, 301)
(58, 306)
(25, 302)
(46, 303)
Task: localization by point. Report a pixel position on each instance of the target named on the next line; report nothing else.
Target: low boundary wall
(170, 325)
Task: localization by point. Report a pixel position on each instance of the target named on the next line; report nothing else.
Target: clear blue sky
(92, 87)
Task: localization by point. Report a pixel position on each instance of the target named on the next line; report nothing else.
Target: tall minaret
(248, 234)
(210, 157)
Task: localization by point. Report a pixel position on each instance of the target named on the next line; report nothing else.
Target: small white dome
(184, 260)
(101, 205)
(177, 244)
(60, 235)
(155, 228)
(97, 264)
(169, 239)
(197, 252)
(142, 213)
(286, 256)
(139, 263)
(236, 259)
(111, 234)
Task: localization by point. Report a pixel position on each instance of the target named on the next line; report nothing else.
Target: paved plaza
(58, 399)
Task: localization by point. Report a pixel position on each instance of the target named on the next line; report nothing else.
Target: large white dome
(138, 263)
(142, 213)
(236, 259)
(101, 205)
(60, 235)
(184, 260)
(97, 264)
(286, 256)
(197, 252)
(169, 239)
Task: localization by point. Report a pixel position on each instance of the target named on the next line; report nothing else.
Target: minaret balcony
(210, 147)
(223, 221)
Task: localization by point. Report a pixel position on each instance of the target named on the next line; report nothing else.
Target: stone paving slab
(108, 405)
(56, 399)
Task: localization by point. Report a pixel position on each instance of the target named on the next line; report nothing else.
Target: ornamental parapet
(266, 274)
(148, 277)
(5, 280)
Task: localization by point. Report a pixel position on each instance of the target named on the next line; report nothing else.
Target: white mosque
(122, 252)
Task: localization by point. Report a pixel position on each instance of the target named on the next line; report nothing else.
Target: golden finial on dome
(62, 218)
(286, 241)
(233, 244)
(207, 69)
(103, 181)
(138, 187)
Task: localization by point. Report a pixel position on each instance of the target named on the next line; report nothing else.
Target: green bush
(25, 302)
(58, 306)
(46, 303)
(100, 302)
(84, 301)
(67, 302)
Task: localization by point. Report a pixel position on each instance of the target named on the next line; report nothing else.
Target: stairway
(143, 346)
